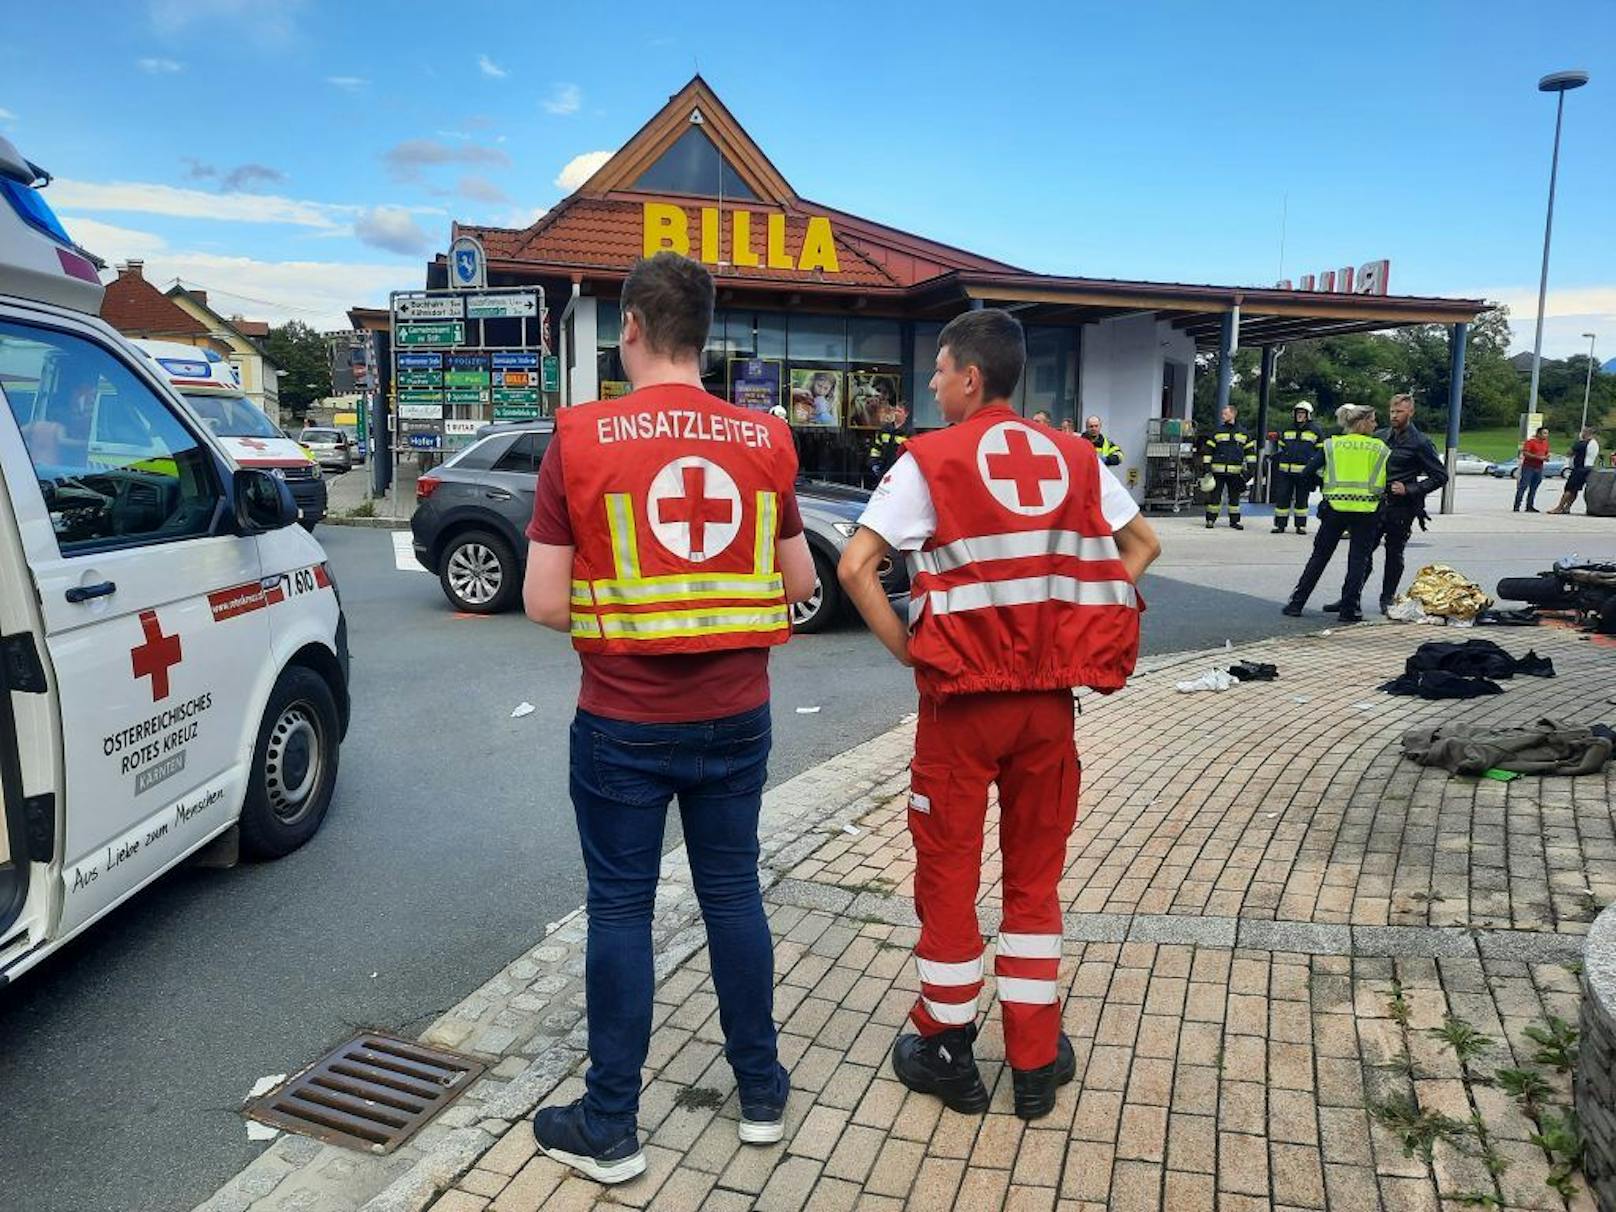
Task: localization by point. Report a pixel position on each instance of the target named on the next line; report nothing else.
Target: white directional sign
(428, 307)
(499, 307)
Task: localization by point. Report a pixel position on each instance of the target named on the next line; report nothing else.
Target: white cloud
(481, 189)
(491, 69)
(405, 160)
(7, 116)
(1567, 314)
(148, 198)
(564, 99)
(110, 242)
(159, 67)
(391, 228)
(264, 23)
(521, 216)
(580, 168)
(351, 83)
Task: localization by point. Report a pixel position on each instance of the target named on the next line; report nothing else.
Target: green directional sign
(515, 412)
(516, 395)
(465, 395)
(552, 372)
(465, 378)
(420, 397)
(420, 378)
(451, 333)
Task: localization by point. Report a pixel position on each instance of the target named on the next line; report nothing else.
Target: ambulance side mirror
(263, 502)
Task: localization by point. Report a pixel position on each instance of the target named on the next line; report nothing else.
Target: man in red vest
(1024, 553)
(666, 541)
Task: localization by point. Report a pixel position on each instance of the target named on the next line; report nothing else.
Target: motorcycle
(1589, 589)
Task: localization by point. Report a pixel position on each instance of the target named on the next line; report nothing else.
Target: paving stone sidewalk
(1269, 912)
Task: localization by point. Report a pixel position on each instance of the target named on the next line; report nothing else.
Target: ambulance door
(154, 615)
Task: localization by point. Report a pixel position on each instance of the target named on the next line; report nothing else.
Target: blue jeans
(623, 777)
(1526, 486)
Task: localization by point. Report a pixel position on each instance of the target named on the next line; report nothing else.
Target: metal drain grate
(373, 1093)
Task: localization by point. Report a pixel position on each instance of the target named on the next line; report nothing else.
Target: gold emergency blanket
(1446, 591)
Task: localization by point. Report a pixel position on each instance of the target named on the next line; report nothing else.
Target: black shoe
(942, 1064)
(763, 1112)
(1035, 1088)
(1236, 526)
(1279, 530)
(1211, 524)
(1301, 530)
(1353, 617)
(1293, 609)
(1331, 607)
(606, 1155)
(1531, 509)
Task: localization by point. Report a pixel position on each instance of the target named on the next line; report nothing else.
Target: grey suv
(471, 518)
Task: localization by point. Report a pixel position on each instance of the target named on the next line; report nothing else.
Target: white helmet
(1303, 406)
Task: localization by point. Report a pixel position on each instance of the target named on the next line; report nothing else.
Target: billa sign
(667, 226)
(1370, 278)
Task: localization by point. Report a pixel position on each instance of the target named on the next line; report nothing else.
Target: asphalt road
(449, 846)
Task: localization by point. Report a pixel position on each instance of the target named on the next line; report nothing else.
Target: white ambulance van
(209, 385)
(173, 653)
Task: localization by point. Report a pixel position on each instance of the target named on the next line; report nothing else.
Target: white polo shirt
(902, 513)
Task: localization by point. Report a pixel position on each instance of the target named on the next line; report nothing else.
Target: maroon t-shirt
(673, 687)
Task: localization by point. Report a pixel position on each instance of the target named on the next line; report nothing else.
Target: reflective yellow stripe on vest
(1355, 472)
(663, 624)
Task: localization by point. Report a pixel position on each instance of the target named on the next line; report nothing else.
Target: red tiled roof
(250, 328)
(136, 308)
(608, 233)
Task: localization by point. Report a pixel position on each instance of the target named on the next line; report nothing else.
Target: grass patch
(1498, 445)
(365, 509)
(1467, 1043)
(1418, 1130)
(1556, 1044)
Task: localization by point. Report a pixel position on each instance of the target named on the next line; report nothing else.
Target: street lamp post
(1560, 83)
(1587, 383)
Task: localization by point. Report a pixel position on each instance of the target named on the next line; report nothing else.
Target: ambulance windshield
(232, 416)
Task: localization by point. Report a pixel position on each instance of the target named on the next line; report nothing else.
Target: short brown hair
(992, 341)
(672, 297)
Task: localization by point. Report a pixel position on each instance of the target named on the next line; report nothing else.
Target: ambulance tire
(480, 574)
(294, 768)
(821, 610)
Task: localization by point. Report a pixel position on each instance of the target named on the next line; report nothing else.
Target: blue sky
(295, 158)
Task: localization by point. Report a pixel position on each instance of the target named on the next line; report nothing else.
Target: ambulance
(173, 652)
(209, 385)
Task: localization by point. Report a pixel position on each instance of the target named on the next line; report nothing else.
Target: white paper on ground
(522, 709)
(265, 1084)
(850, 830)
(808, 711)
(258, 1131)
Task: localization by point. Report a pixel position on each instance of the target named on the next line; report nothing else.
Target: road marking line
(404, 553)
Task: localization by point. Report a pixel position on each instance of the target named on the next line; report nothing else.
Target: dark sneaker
(1035, 1088)
(1293, 609)
(1350, 616)
(1279, 530)
(574, 1138)
(763, 1113)
(1236, 526)
(1210, 525)
(942, 1064)
(1332, 607)
(1301, 530)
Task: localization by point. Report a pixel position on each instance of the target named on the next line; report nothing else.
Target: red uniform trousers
(1023, 742)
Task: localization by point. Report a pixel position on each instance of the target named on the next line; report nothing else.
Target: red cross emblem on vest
(695, 508)
(1022, 468)
(156, 656)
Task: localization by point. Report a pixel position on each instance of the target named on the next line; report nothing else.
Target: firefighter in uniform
(1110, 452)
(1293, 464)
(1230, 454)
(1023, 554)
(886, 444)
(1354, 465)
(666, 540)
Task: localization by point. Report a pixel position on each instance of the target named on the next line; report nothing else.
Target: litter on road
(808, 711)
(521, 710)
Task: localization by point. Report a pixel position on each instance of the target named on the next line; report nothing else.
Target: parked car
(1555, 467)
(332, 448)
(472, 512)
(1468, 464)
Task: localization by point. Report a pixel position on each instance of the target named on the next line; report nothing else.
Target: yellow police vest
(1355, 472)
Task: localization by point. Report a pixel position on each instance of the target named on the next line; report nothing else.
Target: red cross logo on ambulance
(695, 508)
(1022, 468)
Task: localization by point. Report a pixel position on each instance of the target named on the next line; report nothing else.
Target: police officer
(1293, 462)
(1354, 465)
(886, 444)
(666, 541)
(1230, 454)
(1023, 553)
(1110, 452)
(1414, 473)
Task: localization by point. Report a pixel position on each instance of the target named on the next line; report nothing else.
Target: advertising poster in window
(614, 389)
(755, 383)
(816, 398)
(872, 399)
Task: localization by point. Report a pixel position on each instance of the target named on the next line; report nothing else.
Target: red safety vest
(1021, 587)
(674, 498)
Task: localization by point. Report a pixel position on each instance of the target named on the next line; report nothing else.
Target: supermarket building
(836, 317)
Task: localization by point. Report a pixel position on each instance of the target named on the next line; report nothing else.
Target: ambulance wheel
(819, 611)
(479, 573)
(294, 766)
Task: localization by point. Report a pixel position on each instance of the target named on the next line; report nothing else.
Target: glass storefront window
(770, 329)
(608, 323)
(874, 341)
(1049, 382)
(816, 339)
(923, 411)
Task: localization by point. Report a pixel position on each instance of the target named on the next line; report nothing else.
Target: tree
(300, 352)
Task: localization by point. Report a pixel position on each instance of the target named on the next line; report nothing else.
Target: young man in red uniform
(666, 540)
(1023, 553)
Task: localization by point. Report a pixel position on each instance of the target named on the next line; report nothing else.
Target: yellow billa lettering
(779, 258)
(709, 235)
(666, 228)
(740, 250)
(819, 247)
